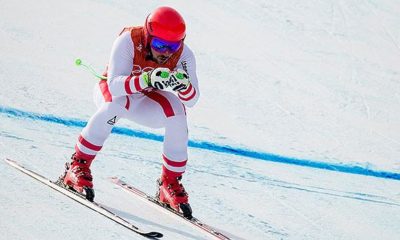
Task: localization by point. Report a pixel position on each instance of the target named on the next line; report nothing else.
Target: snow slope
(315, 80)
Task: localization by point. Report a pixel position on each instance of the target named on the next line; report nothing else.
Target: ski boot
(77, 177)
(172, 194)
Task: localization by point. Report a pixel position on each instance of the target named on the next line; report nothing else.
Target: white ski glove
(163, 78)
(157, 78)
(181, 80)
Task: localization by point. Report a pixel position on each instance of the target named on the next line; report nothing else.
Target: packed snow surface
(312, 80)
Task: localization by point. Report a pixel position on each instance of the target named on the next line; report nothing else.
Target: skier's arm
(120, 79)
(191, 94)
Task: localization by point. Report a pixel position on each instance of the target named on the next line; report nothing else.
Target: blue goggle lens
(162, 46)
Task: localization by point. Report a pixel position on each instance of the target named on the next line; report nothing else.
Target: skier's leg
(160, 109)
(93, 136)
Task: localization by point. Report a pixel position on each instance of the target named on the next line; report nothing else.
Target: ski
(153, 201)
(97, 207)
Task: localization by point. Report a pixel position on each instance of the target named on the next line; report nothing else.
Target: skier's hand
(158, 78)
(180, 80)
(162, 78)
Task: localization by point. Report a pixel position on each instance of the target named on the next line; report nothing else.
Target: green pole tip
(78, 61)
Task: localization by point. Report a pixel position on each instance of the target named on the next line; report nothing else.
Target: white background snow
(316, 80)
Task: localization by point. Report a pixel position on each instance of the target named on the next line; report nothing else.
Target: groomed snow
(316, 80)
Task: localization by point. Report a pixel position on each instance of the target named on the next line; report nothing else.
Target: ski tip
(10, 161)
(114, 179)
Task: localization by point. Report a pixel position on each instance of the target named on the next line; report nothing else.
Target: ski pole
(78, 62)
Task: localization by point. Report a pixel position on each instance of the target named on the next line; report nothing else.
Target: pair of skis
(97, 207)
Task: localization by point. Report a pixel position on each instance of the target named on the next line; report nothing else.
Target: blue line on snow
(70, 122)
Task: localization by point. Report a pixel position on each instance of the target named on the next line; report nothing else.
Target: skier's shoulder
(187, 50)
(187, 54)
(125, 37)
(123, 45)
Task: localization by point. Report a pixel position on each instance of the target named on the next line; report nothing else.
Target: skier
(145, 61)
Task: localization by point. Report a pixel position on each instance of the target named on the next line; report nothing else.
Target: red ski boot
(77, 176)
(172, 193)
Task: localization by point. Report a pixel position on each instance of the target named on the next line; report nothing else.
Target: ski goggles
(163, 46)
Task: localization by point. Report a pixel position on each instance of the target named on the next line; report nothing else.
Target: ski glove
(162, 78)
(157, 78)
(181, 79)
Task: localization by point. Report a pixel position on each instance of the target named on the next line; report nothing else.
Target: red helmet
(165, 23)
